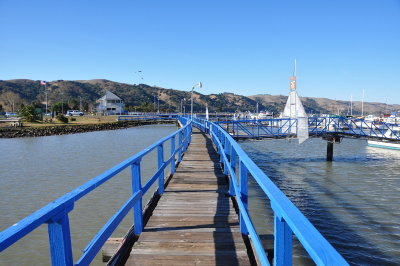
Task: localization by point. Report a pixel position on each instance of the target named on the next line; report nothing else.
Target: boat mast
(351, 104)
(293, 88)
(362, 103)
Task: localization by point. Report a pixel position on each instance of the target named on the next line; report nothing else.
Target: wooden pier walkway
(195, 222)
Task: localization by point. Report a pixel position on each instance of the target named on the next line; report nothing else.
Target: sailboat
(294, 109)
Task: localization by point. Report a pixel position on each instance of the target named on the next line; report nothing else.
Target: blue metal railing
(283, 127)
(147, 117)
(55, 214)
(288, 219)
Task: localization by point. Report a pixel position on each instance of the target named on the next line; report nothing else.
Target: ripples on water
(353, 201)
(36, 171)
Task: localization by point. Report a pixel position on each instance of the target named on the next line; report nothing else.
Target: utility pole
(45, 92)
(191, 98)
(154, 104)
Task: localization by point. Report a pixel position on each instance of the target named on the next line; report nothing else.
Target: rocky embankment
(18, 132)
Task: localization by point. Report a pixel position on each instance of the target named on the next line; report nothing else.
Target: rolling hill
(142, 97)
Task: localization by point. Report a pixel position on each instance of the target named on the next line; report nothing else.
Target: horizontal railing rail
(55, 214)
(285, 127)
(147, 117)
(288, 219)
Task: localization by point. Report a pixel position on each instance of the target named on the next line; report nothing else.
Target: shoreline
(21, 132)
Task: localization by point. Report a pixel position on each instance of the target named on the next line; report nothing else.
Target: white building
(110, 104)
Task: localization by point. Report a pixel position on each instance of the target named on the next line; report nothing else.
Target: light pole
(80, 103)
(182, 100)
(154, 105)
(158, 106)
(45, 92)
(191, 99)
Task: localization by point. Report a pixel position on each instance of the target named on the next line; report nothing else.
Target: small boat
(384, 144)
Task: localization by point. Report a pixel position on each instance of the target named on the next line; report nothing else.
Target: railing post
(136, 187)
(190, 133)
(233, 166)
(184, 139)
(243, 194)
(282, 243)
(173, 155)
(60, 240)
(180, 149)
(220, 149)
(226, 154)
(160, 153)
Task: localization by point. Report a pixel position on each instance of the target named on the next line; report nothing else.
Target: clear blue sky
(245, 47)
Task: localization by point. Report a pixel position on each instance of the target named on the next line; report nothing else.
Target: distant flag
(43, 83)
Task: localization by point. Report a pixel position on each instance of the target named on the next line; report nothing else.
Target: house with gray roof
(110, 104)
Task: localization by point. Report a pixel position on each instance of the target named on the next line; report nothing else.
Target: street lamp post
(182, 100)
(154, 104)
(80, 103)
(45, 92)
(191, 99)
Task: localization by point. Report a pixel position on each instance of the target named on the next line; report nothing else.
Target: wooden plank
(187, 259)
(195, 222)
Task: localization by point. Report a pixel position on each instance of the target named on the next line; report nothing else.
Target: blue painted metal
(289, 220)
(173, 155)
(148, 116)
(243, 195)
(160, 156)
(137, 187)
(232, 158)
(180, 150)
(282, 242)
(91, 250)
(55, 214)
(282, 127)
(60, 240)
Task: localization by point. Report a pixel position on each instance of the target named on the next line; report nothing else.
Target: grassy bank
(74, 120)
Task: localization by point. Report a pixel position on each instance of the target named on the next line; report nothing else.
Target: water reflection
(35, 171)
(352, 201)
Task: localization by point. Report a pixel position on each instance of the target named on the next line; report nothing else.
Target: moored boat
(384, 144)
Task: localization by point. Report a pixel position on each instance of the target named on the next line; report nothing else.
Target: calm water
(35, 171)
(353, 201)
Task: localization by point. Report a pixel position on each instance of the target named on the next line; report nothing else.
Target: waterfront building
(110, 104)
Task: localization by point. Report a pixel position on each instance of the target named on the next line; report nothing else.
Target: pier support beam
(329, 151)
(329, 148)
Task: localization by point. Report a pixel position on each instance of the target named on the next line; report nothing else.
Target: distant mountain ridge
(24, 91)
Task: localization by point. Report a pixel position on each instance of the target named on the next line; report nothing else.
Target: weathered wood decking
(194, 222)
